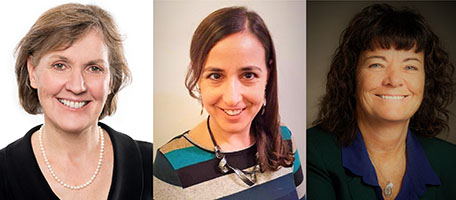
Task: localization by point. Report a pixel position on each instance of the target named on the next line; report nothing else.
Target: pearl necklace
(78, 187)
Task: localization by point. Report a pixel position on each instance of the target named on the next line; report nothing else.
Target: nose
(76, 82)
(393, 77)
(232, 92)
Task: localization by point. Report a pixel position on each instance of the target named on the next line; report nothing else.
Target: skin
(232, 86)
(390, 87)
(79, 73)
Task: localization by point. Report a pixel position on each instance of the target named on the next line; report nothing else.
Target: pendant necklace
(388, 189)
(77, 187)
(247, 176)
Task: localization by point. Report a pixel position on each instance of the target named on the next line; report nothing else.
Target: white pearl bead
(100, 160)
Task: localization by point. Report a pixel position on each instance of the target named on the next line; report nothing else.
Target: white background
(134, 110)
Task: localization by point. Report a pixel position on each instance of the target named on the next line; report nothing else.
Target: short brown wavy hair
(273, 152)
(57, 29)
(382, 26)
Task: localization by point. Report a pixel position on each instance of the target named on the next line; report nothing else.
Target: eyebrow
(247, 68)
(383, 58)
(92, 62)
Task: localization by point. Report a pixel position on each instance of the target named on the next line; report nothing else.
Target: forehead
(88, 45)
(237, 50)
(387, 53)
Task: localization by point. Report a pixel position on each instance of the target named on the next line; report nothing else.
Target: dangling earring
(264, 106)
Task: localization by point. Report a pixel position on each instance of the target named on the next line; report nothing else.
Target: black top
(21, 178)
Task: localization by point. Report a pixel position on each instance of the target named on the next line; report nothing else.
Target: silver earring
(263, 107)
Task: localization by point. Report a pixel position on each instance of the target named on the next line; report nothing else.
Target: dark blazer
(328, 179)
(21, 178)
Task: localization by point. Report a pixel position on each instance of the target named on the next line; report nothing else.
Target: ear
(31, 73)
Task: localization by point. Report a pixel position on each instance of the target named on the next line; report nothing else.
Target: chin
(72, 126)
(394, 117)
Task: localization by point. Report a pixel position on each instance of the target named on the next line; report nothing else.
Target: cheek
(100, 87)
(416, 84)
(255, 95)
(48, 84)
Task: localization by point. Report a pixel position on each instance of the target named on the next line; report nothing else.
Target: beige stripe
(175, 144)
(163, 190)
(229, 184)
(301, 189)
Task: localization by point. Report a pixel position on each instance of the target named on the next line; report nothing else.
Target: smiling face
(73, 84)
(390, 84)
(233, 82)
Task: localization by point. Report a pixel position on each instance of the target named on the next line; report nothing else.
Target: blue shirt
(417, 175)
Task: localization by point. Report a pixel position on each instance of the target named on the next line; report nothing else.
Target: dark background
(325, 22)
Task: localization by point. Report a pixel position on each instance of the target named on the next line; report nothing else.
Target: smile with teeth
(392, 97)
(232, 112)
(73, 104)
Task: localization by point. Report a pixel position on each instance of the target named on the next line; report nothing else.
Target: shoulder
(285, 132)
(20, 147)
(323, 148)
(319, 139)
(123, 142)
(439, 152)
(181, 152)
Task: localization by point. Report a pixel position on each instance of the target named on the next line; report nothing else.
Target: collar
(418, 173)
(24, 174)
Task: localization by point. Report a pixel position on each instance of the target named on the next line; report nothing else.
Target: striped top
(185, 170)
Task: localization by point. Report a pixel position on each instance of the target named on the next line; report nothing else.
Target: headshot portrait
(67, 66)
(380, 100)
(228, 90)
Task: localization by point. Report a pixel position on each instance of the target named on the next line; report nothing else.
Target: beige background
(174, 23)
(325, 22)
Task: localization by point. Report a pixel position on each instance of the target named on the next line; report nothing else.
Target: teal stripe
(285, 132)
(188, 156)
(297, 162)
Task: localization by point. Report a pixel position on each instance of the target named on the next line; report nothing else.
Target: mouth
(73, 104)
(392, 97)
(233, 112)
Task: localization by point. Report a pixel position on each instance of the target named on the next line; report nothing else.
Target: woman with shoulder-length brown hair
(387, 92)
(240, 151)
(70, 67)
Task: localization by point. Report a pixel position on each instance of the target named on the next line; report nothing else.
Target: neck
(231, 141)
(385, 139)
(71, 143)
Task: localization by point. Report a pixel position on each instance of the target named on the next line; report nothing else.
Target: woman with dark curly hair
(387, 93)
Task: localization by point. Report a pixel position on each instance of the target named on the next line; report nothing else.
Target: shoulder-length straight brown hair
(57, 29)
(273, 152)
(382, 26)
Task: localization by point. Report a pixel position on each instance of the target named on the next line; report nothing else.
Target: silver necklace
(388, 189)
(77, 187)
(248, 177)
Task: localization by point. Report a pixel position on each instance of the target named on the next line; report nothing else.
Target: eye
(249, 75)
(376, 65)
(409, 67)
(60, 66)
(95, 68)
(214, 76)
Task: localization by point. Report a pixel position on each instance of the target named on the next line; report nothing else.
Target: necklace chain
(247, 176)
(388, 189)
(77, 187)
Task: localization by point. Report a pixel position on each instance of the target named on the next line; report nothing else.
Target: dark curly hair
(382, 26)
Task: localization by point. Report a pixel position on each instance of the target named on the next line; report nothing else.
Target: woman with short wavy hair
(70, 67)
